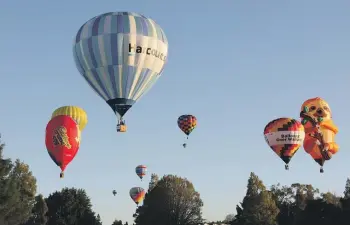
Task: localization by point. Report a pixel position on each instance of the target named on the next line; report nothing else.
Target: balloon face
(137, 194)
(141, 171)
(76, 113)
(317, 108)
(284, 136)
(62, 140)
(120, 55)
(187, 123)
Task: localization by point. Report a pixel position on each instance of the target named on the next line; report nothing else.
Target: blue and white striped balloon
(121, 55)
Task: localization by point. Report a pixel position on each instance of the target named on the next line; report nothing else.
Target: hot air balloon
(120, 55)
(141, 171)
(137, 194)
(77, 114)
(284, 136)
(187, 123)
(62, 140)
(316, 116)
(114, 192)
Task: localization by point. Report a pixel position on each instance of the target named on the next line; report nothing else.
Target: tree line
(170, 200)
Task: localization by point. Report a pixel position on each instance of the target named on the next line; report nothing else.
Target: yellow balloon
(77, 114)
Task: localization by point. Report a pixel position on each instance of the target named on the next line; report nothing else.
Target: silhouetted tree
(153, 182)
(117, 222)
(70, 207)
(17, 191)
(258, 206)
(172, 201)
(39, 211)
(229, 218)
(347, 189)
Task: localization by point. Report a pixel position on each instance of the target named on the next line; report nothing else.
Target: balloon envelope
(62, 140)
(77, 114)
(137, 194)
(320, 130)
(120, 55)
(141, 171)
(284, 136)
(187, 123)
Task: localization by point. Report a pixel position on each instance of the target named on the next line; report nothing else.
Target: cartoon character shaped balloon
(284, 136)
(62, 140)
(137, 194)
(320, 130)
(141, 171)
(187, 123)
(120, 55)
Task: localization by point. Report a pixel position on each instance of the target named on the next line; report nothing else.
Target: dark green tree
(39, 211)
(258, 206)
(320, 212)
(172, 201)
(347, 189)
(229, 218)
(345, 202)
(17, 191)
(331, 198)
(153, 182)
(117, 222)
(70, 206)
(284, 198)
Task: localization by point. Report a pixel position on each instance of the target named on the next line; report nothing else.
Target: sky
(235, 65)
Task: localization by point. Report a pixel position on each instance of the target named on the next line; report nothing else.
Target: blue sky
(235, 65)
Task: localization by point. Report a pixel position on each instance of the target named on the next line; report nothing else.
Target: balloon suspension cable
(318, 134)
(62, 174)
(185, 144)
(286, 167)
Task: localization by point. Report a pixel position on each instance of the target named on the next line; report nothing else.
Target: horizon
(235, 66)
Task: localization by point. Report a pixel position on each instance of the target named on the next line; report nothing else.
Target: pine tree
(347, 189)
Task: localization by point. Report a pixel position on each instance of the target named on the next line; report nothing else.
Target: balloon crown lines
(149, 51)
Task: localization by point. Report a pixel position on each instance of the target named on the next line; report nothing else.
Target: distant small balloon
(141, 171)
(187, 123)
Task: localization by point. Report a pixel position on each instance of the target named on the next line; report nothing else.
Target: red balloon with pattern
(62, 140)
